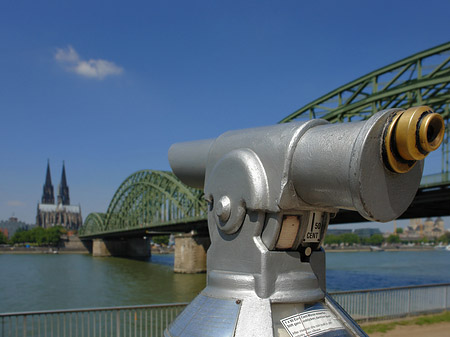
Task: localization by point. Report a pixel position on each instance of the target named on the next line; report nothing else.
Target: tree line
(354, 239)
(37, 236)
(376, 239)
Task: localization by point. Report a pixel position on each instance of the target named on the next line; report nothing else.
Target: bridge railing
(151, 320)
(435, 179)
(389, 303)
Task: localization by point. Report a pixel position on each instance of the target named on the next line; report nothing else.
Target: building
(338, 231)
(430, 229)
(12, 225)
(367, 232)
(61, 213)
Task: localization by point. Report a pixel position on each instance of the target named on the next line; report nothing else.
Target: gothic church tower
(63, 194)
(47, 195)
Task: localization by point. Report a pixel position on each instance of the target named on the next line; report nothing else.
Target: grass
(423, 320)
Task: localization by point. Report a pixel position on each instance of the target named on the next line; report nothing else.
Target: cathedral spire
(48, 196)
(63, 195)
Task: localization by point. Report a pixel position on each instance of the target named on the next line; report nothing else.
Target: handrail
(117, 308)
(436, 179)
(389, 289)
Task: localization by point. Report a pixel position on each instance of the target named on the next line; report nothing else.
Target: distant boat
(442, 247)
(376, 249)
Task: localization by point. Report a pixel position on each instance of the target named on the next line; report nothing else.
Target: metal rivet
(223, 208)
(308, 251)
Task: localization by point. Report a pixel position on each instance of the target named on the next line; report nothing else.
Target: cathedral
(61, 213)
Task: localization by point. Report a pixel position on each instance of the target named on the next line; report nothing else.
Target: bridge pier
(129, 247)
(190, 253)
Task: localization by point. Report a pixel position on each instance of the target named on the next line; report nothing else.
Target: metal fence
(435, 179)
(151, 320)
(144, 320)
(388, 303)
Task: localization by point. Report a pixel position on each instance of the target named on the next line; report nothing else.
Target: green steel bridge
(152, 202)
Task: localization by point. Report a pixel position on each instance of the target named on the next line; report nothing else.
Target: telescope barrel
(188, 161)
(373, 166)
(367, 166)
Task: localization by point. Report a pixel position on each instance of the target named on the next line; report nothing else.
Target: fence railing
(388, 303)
(435, 179)
(143, 320)
(151, 320)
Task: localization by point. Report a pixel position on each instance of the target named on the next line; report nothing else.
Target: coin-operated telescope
(271, 193)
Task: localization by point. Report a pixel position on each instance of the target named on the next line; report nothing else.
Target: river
(44, 282)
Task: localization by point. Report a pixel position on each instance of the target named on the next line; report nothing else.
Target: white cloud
(68, 55)
(15, 203)
(99, 69)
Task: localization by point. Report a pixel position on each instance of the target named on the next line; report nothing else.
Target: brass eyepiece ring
(410, 136)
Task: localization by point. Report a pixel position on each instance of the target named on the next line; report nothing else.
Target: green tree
(393, 239)
(375, 240)
(349, 238)
(20, 236)
(53, 236)
(424, 240)
(445, 238)
(332, 239)
(161, 239)
(39, 236)
(399, 230)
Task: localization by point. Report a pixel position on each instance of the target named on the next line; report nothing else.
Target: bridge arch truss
(420, 79)
(147, 199)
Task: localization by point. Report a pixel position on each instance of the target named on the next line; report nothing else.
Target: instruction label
(315, 224)
(311, 323)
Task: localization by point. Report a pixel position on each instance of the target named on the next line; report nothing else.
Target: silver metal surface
(188, 161)
(341, 165)
(206, 316)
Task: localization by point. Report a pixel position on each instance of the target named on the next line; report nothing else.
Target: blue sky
(108, 86)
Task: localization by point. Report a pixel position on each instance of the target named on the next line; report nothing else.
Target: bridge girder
(94, 223)
(420, 79)
(145, 198)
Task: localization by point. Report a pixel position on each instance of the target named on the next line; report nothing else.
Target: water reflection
(40, 282)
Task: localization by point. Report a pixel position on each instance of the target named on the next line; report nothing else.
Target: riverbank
(391, 248)
(67, 245)
(41, 250)
(74, 245)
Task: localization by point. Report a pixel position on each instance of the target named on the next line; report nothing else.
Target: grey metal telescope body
(271, 192)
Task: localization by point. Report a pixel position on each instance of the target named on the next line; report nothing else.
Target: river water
(44, 282)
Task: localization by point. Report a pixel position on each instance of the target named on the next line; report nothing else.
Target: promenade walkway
(433, 330)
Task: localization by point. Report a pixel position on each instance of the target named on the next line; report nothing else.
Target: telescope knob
(410, 136)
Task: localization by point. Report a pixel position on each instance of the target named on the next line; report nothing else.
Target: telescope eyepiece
(410, 136)
(431, 132)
